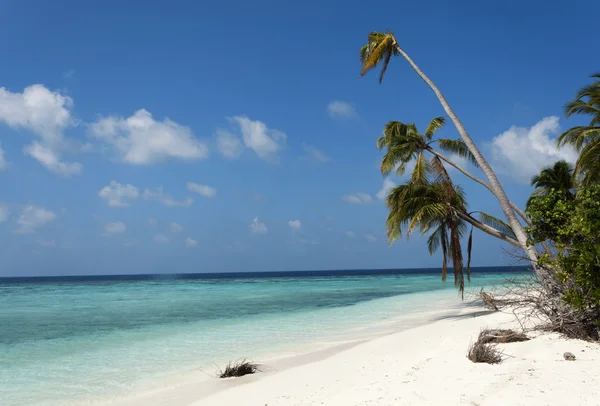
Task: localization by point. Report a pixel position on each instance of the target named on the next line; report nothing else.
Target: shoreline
(201, 383)
(422, 364)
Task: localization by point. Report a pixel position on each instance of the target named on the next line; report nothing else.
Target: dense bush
(571, 223)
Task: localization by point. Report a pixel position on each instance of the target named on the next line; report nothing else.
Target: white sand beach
(424, 365)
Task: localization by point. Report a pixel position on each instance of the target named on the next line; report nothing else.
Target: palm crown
(404, 144)
(586, 139)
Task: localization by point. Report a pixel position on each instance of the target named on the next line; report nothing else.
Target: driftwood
(535, 307)
(501, 336)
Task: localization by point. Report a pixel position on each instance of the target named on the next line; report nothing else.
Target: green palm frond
(380, 48)
(459, 148)
(434, 126)
(579, 136)
(421, 170)
(444, 244)
(425, 215)
(587, 164)
(396, 157)
(496, 223)
(439, 172)
(558, 177)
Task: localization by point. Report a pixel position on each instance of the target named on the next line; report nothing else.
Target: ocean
(79, 339)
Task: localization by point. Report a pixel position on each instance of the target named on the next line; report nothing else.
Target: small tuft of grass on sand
(484, 353)
(239, 368)
(501, 336)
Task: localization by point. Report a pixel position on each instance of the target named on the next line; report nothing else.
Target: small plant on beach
(239, 368)
(484, 353)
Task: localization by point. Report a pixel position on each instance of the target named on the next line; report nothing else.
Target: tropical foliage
(562, 216)
(586, 138)
(573, 224)
(403, 142)
(558, 177)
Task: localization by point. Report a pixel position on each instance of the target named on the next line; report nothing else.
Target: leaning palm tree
(379, 49)
(586, 138)
(430, 201)
(404, 144)
(558, 177)
(431, 207)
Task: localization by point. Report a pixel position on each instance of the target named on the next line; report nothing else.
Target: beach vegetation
(484, 353)
(558, 233)
(239, 368)
(585, 138)
(501, 336)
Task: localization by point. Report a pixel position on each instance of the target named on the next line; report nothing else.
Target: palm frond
(469, 248)
(579, 136)
(434, 126)
(439, 172)
(380, 47)
(444, 243)
(425, 214)
(433, 242)
(496, 223)
(457, 261)
(458, 147)
(587, 164)
(419, 174)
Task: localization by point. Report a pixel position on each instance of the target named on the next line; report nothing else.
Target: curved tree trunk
(487, 229)
(495, 185)
(476, 179)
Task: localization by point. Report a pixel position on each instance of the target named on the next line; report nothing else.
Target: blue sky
(186, 137)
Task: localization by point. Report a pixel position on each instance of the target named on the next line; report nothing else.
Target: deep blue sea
(71, 339)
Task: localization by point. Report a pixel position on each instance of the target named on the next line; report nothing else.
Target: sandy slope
(421, 366)
(427, 366)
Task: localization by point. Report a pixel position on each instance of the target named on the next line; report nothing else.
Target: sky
(183, 136)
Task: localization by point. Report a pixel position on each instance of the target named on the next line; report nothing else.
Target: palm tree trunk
(495, 185)
(476, 179)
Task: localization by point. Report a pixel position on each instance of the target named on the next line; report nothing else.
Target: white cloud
(295, 224)
(255, 135)
(141, 140)
(175, 228)
(314, 153)
(228, 144)
(159, 195)
(386, 188)
(204, 190)
(3, 161)
(371, 238)
(338, 108)
(358, 198)
(522, 152)
(117, 227)
(161, 239)
(152, 221)
(37, 109)
(117, 195)
(46, 114)
(256, 227)
(350, 234)
(69, 74)
(33, 218)
(3, 214)
(51, 160)
(189, 242)
(47, 243)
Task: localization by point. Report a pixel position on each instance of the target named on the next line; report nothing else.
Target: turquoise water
(67, 341)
